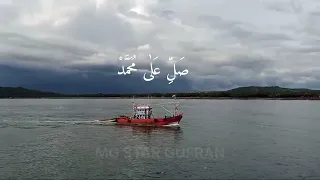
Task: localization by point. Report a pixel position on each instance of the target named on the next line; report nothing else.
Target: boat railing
(175, 102)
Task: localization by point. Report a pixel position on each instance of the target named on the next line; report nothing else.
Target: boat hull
(167, 121)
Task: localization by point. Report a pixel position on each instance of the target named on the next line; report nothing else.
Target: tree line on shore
(241, 92)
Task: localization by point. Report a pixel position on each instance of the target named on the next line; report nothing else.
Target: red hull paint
(151, 121)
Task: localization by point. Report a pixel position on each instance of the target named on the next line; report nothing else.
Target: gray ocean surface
(235, 139)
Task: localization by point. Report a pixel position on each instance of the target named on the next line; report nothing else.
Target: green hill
(241, 92)
(19, 92)
(269, 91)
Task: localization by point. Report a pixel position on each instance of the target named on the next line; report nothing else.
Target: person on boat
(150, 113)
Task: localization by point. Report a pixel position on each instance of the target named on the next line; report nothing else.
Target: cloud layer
(226, 43)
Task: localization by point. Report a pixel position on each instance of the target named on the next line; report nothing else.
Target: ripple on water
(57, 139)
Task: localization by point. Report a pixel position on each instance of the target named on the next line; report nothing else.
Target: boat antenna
(175, 105)
(174, 96)
(133, 104)
(149, 100)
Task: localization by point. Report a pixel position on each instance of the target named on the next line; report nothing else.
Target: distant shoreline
(241, 93)
(191, 98)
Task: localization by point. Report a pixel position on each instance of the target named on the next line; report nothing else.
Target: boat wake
(23, 124)
(173, 125)
(105, 122)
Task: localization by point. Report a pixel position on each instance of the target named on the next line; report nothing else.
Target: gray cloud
(226, 43)
(105, 29)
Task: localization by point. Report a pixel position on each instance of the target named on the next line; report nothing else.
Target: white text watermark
(153, 71)
(157, 153)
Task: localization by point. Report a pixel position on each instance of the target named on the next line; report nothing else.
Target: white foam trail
(39, 122)
(172, 125)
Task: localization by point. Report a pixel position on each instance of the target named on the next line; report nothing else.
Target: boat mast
(133, 106)
(175, 105)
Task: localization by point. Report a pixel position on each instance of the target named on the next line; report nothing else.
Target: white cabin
(142, 111)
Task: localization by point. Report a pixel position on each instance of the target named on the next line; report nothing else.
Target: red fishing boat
(143, 116)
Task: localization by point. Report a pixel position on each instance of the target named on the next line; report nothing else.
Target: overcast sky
(226, 43)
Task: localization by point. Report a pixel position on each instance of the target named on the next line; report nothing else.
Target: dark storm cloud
(59, 44)
(18, 40)
(235, 29)
(257, 64)
(89, 80)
